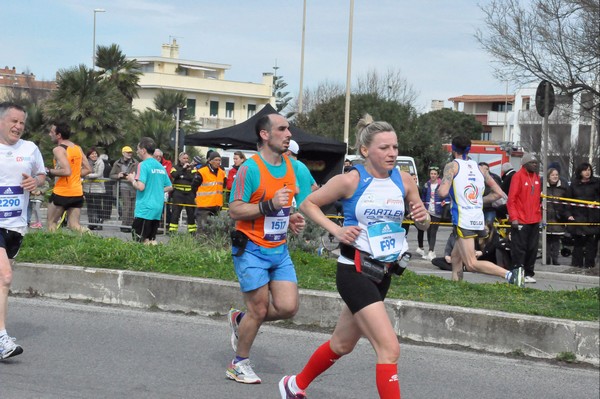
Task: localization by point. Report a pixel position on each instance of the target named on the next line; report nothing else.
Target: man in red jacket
(525, 214)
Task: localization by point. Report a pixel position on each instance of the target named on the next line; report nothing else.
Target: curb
(492, 331)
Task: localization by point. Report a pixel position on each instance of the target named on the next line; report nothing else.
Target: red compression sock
(321, 360)
(387, 381)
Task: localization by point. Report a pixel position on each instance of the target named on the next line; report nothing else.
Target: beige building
(211, 99)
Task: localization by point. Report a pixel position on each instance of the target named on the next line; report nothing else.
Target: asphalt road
(77, 350)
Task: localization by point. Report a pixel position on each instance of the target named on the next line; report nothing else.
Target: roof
(185, 63)
(485, 98)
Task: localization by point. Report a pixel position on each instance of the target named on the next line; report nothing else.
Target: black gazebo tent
(323, 156)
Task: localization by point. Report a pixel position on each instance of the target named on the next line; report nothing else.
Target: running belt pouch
(239, 241)
(369, 267)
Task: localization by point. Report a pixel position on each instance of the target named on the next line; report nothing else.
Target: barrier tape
(571, 201)
(500, 224)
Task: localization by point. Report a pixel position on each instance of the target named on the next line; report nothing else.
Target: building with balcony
(513, 119)
(493, 111)
(211, 99)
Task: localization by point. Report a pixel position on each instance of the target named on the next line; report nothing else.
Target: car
(403, 164)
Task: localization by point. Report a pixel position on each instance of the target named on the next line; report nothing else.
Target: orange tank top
(70, 186)
(269, 231)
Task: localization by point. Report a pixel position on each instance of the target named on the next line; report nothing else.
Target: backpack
(107, 168)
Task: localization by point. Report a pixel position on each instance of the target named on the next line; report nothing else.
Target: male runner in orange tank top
(70, 165)
(261, 199)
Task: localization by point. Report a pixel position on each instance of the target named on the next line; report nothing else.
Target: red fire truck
(493, 154)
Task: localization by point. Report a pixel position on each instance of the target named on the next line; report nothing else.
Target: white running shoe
(8, 348)
(421, 252)
(430, 255)
(530, 279)
(232, 316)
(286, 391)
(242, 372)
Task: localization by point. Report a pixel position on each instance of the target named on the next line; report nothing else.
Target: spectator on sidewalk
(507, 174)
(208, 188)
(182, 175)
(306, 182)
(492, 248)
(159, 156)
(36, 198)
(151, 182)
(109, 186)
(94, 191)
(584, 186)
(489, 210)
(421, 233)
(434, 204)
(525, 214)
(238, 159)
(125, 192)
(555, 213)
(556, 165)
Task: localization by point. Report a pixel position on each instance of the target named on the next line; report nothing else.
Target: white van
(227, 157)
(403, 164)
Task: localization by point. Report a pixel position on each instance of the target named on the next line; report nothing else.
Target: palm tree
(95, 109)
(169, 100)
(155, 124)
(114, 66)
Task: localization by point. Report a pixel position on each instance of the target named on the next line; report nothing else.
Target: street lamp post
(96, 10)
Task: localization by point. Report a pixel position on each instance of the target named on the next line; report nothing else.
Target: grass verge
(211, 258)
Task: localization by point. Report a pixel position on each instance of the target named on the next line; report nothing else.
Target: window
(214, 109)
(191, 107)
(501, 107)
(182, 71)
(251, 110)
(486, 136)
(229, 110)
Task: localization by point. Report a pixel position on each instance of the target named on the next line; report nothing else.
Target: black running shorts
(359, 291)
(11, 242)
(66, 202)
(464, 233)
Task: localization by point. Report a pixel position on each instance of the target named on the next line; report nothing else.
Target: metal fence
(108, 206)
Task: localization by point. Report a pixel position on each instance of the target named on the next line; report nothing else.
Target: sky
(431, 42)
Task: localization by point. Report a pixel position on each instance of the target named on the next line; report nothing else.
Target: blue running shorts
(255, 268)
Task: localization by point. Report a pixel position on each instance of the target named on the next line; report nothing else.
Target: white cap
(294, 147)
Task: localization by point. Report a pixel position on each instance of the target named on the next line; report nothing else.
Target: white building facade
(211, 99)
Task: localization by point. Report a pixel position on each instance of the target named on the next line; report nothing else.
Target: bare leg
(73, 215)
(5, 281)
(466, 249)
(346, 333)
(260, 308)
(54, 214)
(375, 324)
(457, 263)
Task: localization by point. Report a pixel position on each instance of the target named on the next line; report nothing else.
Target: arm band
(266, 207)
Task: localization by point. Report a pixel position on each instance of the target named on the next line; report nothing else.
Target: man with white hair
(306, 183)
(22, 172)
